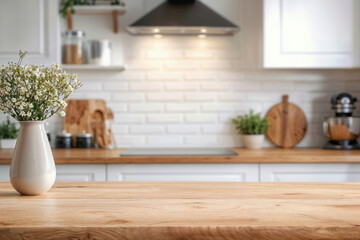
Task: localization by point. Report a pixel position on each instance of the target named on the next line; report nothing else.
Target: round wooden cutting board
(288, 124)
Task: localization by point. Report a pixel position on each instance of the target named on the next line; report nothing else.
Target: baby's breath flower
(30, 91)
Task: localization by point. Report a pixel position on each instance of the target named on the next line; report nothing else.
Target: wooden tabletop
(183, 210)
(267, 155)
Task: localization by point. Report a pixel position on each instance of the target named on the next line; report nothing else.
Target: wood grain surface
(288, 124)
(267, 155)
(183, 210)
(87, 116)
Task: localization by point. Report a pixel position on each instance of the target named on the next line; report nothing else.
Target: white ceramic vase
(32, 170)
(253, 141)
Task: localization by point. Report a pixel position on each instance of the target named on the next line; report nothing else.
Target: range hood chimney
(182, 17)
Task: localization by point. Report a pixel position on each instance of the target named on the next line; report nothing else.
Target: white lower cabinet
(4, 172)
(272, 172)
(81, 172)
(184, 172)
(310, 172)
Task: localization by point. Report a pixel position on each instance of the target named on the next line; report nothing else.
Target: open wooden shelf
(92, 67)
(90, 10)
(114, 10)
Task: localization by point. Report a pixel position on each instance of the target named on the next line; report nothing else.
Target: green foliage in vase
(251, 124)
(8, 130)
(34, 93)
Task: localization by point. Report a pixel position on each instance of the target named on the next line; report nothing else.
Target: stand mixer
(343, 129)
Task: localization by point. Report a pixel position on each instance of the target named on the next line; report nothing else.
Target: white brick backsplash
(226, 117)
(184, 91)
(164, 118)
(217, 128)
(113, 86)
(195, 53)
(117, 107)
(182, 86)
(145, 107)
(181, 107)
(119, 129)
(245, 107)
(322, 86)
(131, 76)
(164, 140)
(230, 140)
(98, 95)
(263, 96)
(90, 86)
(198, 140)
(199, 97)
(215, 86)
(146, 129)
(129, 118)
(288, 86)
(129, 140)
(200, 76)
(216, 65)
(228, 54)
(232, 97)
(246, 86)
(200, 118)
(164, 76)
(164, 97)
(168, 54)
(183, 128)
(145, 86)
(232, 76)
(144, 65)
(177, 65)
(216, 107)
(128, 97)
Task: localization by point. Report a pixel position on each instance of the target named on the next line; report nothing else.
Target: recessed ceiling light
(203, 30)
(201, 36)
(156, 30)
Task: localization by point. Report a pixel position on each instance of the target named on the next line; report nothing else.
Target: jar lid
(74, 33)
(84, 135)
(64, 134)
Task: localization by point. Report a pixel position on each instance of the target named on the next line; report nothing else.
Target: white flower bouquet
(34, 93)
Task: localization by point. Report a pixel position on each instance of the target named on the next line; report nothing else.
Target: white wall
(183, 91)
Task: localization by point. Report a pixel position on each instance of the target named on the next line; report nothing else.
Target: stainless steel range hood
(182, 17)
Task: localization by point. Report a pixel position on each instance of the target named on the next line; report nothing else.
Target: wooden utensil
(86, 116)
(288, 124)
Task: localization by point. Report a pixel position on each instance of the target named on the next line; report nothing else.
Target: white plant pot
(253, 141)
(32, 170)
(7, 143)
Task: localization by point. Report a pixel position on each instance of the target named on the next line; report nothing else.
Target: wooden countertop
(186, 210)
(268, 155)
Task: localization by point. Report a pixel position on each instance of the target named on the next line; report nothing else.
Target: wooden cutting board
(288, 124)
(86, 116)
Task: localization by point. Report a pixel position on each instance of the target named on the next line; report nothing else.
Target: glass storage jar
(73, 49)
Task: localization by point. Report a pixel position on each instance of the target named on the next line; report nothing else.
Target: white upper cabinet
(311, 34)
(30, 25)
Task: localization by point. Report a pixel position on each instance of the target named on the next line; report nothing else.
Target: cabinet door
(4, 172)
(81, 172)
(183, 172)
(310, 34)
(30, 25)
(310, 172)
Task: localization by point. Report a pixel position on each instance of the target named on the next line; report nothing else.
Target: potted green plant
(252, 128)
(8, 134)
